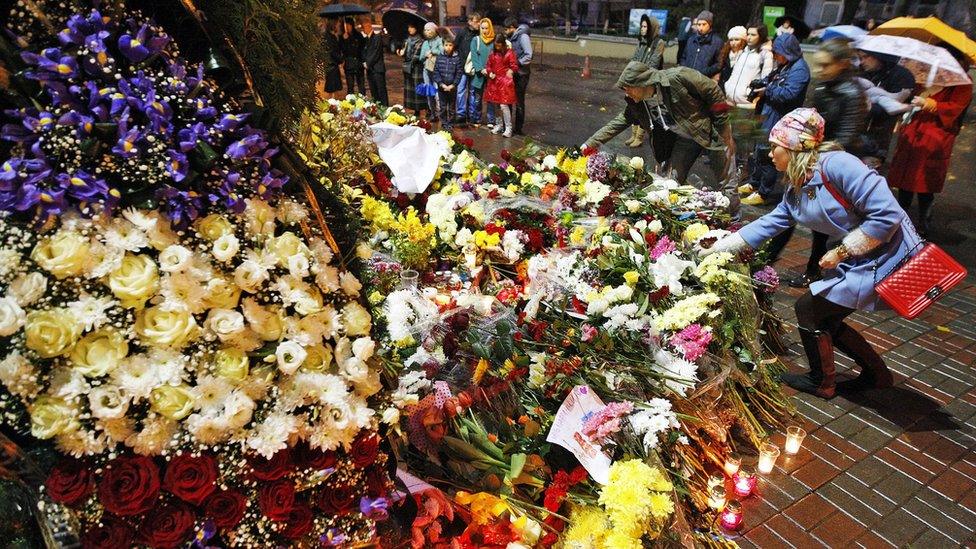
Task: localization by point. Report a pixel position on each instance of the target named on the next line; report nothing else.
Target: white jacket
(750, 65)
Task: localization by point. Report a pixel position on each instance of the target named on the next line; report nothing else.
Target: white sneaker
(489, 126)
(508, 133)
(498, 129)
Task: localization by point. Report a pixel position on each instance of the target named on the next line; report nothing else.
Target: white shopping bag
(412, 154)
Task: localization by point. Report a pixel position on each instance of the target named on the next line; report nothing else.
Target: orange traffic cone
(586, 68)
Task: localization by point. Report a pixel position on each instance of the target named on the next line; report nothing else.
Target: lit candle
(732, 516)
(744, 482)
(715, 480)
(794, 438)
(717, 498)
(767, 458)
(732, 464)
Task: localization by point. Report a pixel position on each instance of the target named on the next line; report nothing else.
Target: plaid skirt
(411, 100)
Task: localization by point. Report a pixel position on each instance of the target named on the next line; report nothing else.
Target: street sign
(770, 13)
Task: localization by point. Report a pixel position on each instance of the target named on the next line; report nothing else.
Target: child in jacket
(500, 90)
(447, 74)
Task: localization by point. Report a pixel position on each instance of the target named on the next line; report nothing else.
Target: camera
(756, 84)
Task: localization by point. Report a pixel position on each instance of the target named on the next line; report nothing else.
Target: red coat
(921, 159)
(501, 88)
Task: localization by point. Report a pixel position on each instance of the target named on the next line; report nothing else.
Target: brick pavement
(891, 468)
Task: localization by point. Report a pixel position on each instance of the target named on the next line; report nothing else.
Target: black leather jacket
(844, 108)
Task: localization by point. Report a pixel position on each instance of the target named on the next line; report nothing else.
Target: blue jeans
(465, 96)
(475, 114)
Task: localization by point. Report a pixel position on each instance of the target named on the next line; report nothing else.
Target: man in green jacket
(687, 116)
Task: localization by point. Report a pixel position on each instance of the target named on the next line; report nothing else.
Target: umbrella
(930, 65)
(849, 32)
(395, 22)
(800, 29)
(931, 30)
(342, 10)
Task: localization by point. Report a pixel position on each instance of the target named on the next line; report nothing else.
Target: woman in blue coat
(865, 242)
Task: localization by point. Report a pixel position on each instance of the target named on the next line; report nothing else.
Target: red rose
(226, 508)
(299, 521)
(129, 486)
(339, 500)
(276, 499)
(169, 525)
(376, 482)
(659, 294)
(364, 449)
(306, 457)
(111, 534)
(278, 466)
(506, 156)
(190, 478)
(70, 482)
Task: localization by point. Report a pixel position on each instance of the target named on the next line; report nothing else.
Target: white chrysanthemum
(68, 384)
(653, 418)
(681, 375)
(321, 252)
(117, 430)
(182, 292)
(619, 315)
(250, 275)
(107, 402)
(18, 375)
(92, 311)
(512, 245)
(290, 355)
(238, 409)
(327, 278)
(136, 376)
(350, 284)
(291, 212)
(125, 235)
(156, 435)
(175, 258)
(323, 436)
(208, 429)
(271, 436)
(169, 365)
(144, 220)
(406, 313)
(210, 393)
(668, 270)
(27, 288)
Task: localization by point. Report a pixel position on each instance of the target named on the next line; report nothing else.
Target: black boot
(794, 279)
(874, 373)
(819, 380)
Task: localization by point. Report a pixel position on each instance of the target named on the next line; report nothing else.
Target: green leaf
(518, 463)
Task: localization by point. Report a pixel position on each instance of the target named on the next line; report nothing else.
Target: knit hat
(737, 33)
(430, 27)
(800, 130)
(706, 15)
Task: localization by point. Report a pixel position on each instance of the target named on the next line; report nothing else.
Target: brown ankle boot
(874, 372)
(820, 354)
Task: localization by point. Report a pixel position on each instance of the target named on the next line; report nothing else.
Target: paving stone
(870, 470)
(871, 439)
(904, 465)
(876, 505)
(838, 530)
(900, 528)
(846, 426)
(816, 473)
(951, 484)
(946, 451)
(933, 539)
(958, 513)
(870, 540)
(898, 487)
(810, 511)
(763, 536)
(938, 520)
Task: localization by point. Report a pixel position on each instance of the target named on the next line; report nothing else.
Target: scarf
(488, 37)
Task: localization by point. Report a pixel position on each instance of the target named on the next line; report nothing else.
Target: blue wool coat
(875, 211)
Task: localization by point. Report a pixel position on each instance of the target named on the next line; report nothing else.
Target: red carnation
(112, 533)
(190, 478)
(129, 486)
(299, 521)
(535, 240)
(169, 525)
(659, 294)
(226, 508)
(339, 500)
(364, 449)
(276, 499)
(278, 466)
(70, 482)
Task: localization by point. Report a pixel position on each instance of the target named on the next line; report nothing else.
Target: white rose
(356, 319)
(175, 258)
(250, 275)
(107, 402)
(549, 162)
(64, 254)
(632, 205)
(12, 317)
(290, 355)
(226, 247)
(637, 163)
(225, 323)
(164, 328)
(655, 226)
(363, 348)
(298, 265)
(350, 284)
(391, 416)
(135, 281)
(27, 288)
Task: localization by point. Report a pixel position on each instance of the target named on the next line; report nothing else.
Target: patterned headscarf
(800, 130)
(488, 37)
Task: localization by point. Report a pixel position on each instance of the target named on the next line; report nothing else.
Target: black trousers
(521, 84)
(377, 87)
(817, 250)
(816, 313)
(355, 76)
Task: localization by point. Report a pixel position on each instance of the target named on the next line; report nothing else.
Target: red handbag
(918, 279)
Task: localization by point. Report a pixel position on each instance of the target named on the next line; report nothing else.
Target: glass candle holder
(732, 464)
(744, 482)
(794, 439)
(717, 498)
(732, 516)
(767, 458)
(716, 480)
(408, 279)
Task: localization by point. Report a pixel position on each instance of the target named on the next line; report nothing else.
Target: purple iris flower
(245, 148)
(188, 137)
(181, 207)
(374, 509)
(98, 58)
(271, 184)
(83, 186)
(333, 538)
(158, 111)
(53, 65)
(135, 48)
(177, 166)
(205, 109)
(126, 145)
(229, 122)
(84, 124)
